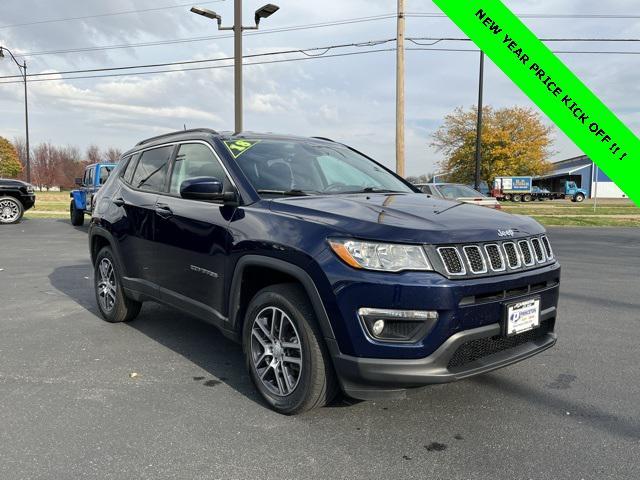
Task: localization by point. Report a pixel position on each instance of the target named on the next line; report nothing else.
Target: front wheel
(113, 304)
(285, 352)
(77, 215)
(11, 210)
(579, 197)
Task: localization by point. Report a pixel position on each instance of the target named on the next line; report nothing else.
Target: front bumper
(28, 201)
(369, 378)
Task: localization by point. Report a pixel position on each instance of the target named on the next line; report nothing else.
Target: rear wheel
(527, 198)
(11, 210)
(77, 215)
(507, 197)
(285, 352)
(113, 303)
(517, 198)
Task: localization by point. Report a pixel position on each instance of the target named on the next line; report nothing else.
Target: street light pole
(23, 72)
(479, 125)
(400, 115)
(263, 12)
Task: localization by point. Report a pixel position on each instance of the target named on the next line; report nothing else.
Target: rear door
(138, 198)
(192, 236)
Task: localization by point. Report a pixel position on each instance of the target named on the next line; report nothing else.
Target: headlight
(386, 257)
(29, 188)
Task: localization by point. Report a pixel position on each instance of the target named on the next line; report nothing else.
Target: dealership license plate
(523, 316)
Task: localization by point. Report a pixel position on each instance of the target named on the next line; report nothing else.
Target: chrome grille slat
(525, 252)
(452, 260)
(513, 258)
(495, 257)
(475, 259)
(537, 248)
(547, 247)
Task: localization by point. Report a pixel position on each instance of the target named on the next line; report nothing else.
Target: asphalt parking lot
(69, 409)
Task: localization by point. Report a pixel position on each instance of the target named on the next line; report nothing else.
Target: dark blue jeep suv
(332, 271)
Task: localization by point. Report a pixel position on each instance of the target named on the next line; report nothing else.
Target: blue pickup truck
(94, 177)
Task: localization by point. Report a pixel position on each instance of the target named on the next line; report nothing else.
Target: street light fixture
(263, 12)
(23, 72)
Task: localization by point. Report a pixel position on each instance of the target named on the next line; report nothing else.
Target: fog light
(405, 326)
(377, 328)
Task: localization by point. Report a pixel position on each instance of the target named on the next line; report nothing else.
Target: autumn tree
(113, 155)
(10, 165)
(514, 142)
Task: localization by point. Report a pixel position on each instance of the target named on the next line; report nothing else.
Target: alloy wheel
(106, 285)
(276, 351)
(9, 211)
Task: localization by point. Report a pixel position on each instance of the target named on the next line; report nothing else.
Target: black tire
(579, 198)
(315, 384)
(11, 210)
(507, 197)
(527, 198)
(517, 197)
(123, 308)
(77, 215)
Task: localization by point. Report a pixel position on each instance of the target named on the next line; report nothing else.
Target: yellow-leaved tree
(514, 142)
(10, 165)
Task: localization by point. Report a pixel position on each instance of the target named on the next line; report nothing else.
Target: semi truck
(523, 189)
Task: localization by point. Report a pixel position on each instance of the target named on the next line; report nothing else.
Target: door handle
(164, 210)
(118, 202)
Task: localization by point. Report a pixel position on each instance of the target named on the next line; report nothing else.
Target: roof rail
(192, 130)
(325, 138)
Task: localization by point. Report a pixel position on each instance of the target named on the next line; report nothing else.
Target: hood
(407, 218)
(13, 182)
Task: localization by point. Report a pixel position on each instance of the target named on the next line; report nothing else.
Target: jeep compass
(332, 272)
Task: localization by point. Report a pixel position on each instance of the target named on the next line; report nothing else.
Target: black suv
(16, 197)
(332, 271)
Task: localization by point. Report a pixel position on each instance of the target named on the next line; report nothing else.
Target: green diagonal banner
(552, 87)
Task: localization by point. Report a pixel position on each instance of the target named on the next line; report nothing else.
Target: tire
(579, 197)
(77, 216)
(307, 380)
(11, 210)
(517, 197)
(507, 197)
(113, 304)
(527, 198)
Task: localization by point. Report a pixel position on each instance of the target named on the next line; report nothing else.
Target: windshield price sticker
(238, 147)
(558, 92)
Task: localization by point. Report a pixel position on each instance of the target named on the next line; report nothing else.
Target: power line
(291, 28)
(304, 51)
(100, 15)
(265, 62)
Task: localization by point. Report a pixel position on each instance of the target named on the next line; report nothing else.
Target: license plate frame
(513, 324)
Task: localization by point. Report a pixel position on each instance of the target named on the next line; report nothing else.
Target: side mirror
(78, 181)
(207, 188)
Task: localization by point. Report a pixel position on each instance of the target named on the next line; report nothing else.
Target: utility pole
(400, 151)
(23, 72)
(263, 12)
(479, 125)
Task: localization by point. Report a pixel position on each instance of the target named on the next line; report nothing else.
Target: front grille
(475, 259)
(483, 347)
(525, 249)
(537, 248)
(452, 260)
(512, 254)
(495, 257)
(547, 247)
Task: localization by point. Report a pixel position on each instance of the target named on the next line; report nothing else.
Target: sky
(349, 98)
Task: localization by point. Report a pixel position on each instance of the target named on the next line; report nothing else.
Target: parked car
(16, 197)
(459, 192)
(330, 270)
(94, 177)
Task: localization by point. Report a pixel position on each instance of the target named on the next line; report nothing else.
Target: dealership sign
(552, 86)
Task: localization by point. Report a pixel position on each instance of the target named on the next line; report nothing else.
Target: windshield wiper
(289, 193)
(374, 190)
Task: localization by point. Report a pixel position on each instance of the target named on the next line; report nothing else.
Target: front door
(192, 236)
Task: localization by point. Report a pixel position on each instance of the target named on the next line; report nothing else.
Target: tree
(514, 142)
(93, 155)
(113, 155)
(10, 165)
(424, 178)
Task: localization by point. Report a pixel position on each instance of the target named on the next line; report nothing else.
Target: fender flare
(97, 231)
(79, 199)
(285, 267)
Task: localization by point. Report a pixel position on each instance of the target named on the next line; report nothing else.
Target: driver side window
(195, 160)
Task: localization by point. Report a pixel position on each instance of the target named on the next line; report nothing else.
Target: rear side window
(130, 167)
(195, 160)
(151, 172)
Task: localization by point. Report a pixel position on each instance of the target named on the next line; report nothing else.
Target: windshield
(458, 191)
(306, 168)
